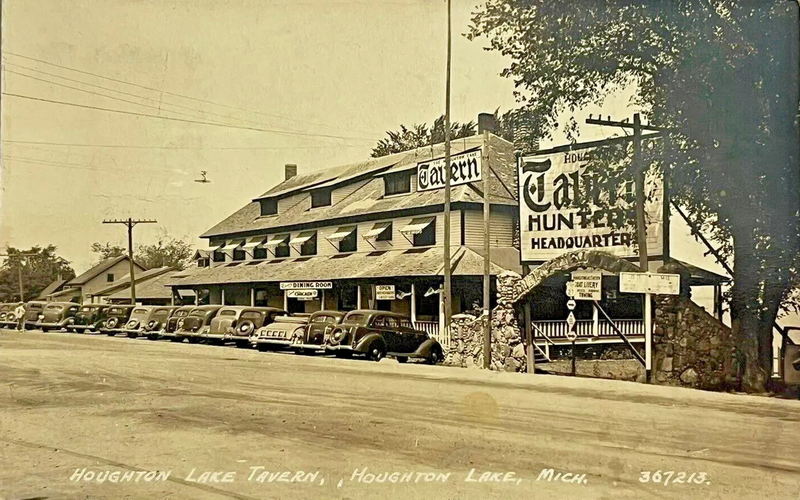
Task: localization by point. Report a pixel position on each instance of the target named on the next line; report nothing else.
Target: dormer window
(269, 206)
(397, 183)
(320, 198)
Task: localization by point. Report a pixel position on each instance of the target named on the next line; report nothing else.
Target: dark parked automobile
(175, 321)
(281, 333)
(117, 316)
(32, 311)
(376, 334)
(89, 317)
(56, 315)
(196, 323)
(237, 323)
(321, 323)
(147, 321)
(8, 317)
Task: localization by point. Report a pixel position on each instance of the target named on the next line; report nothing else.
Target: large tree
(722, 76)
(38, 266)
(167, 251)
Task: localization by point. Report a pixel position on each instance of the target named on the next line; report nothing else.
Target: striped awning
(276, 240)
(214, 248)
(252, 243)
(417, 225)
(232, 245)
(341, 233)
(302, 237)
(376, 230)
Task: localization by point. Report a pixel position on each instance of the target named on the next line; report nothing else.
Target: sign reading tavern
(464, 168)
(552, 222)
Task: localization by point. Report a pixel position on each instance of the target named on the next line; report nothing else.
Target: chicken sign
(552, 222)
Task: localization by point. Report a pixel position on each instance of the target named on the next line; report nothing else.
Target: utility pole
(447, 289)
(19, 257)
(129, 223)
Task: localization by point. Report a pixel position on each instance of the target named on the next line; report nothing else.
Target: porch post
(252, 296)
(530, 350)
(196, 296)
(358, 296)
(286, 300)
(222, 295)
(595, 321)
(322, 300)
(413, 305)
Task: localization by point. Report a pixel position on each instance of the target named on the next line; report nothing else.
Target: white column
(441, 313)
(322, 299)
(413, 305)
(595, 321)
(222, 295)
(358, 296)
(648, 333)
(252, 297)
(285, 300)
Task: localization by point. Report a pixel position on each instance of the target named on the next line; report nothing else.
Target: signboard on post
(657, 283)
(306, 285)
(302, 294)
(384, 292)
(464, 168)
(587, 285)
(552, 222)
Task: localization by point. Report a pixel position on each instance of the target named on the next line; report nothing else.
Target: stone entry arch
(569, 262)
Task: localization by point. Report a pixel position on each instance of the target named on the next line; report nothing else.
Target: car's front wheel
(402, 359)
(435, 357)
(376, 351)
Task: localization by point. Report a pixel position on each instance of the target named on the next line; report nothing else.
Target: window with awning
(382, 231)
(303, 237)
(341, 233)
(417, 225)
(252, 243)
(275, 240)
(232, 245)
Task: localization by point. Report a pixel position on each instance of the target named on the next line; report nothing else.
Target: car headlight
(41, 317)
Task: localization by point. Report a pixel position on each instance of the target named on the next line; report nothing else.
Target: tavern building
(342, 237)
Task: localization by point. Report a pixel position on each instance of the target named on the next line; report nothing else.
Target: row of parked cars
(369, 333)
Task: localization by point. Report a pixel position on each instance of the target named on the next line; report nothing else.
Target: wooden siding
(501, 232)
(343, 192)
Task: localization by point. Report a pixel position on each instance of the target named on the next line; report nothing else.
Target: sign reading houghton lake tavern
(552, 223)
(464, 168)
(306, 285)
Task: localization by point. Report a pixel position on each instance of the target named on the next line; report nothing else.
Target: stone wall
(691, 348)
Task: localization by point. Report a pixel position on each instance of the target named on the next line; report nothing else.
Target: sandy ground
(76, 409)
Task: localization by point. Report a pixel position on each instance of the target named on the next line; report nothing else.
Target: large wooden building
(340, 238)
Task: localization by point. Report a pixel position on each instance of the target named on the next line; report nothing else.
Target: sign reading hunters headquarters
(552, 224)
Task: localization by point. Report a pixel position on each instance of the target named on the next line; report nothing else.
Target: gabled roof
(53, 287)
(368, 197)
(125, 281)
(153, 288)
(98, 269)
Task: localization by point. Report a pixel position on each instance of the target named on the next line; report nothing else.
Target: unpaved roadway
(221, 422)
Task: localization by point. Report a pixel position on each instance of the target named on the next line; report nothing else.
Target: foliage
(721, 77)
(167, 251)
(107, 251)
(38, 271)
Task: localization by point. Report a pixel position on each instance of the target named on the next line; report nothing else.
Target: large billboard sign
(552, 222)
(464, 168)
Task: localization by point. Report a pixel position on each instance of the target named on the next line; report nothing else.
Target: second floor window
(219, 256)
(109, 277)
(350, 242)
(320, 198)
(269, 206)
(238, 254)
(397, 183)
(427, 236)
(309, 247)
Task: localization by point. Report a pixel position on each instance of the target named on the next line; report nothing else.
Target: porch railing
(557, 329)
(432, 329)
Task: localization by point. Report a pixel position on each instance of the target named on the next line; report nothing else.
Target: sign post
(649, 283)
(571, 335)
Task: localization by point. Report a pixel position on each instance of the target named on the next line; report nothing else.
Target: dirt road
(94, 416)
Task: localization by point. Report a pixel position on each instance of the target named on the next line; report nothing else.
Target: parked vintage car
(147, 321)
(280, 334)
(32, 311)
(117, 316)
(312, 338)
(56, 315)
(175, 321)
(196, 323)
(237, 323)
(8, 317)
(376, 334)
(90, 317)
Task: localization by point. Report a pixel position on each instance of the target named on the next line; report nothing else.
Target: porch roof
(376, 264)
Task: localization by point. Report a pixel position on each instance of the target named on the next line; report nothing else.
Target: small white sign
(570, 289)
(571, 321)
(572, 336)
(571, 304)
(657, 283)
(302, 294)
(384, 292)
(588, 285)
(306, 285)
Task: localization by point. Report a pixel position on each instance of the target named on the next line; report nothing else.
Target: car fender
(367, 340)
(426, 347)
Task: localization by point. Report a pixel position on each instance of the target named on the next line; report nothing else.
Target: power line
(172, 118)
(153, 89)
(138, 146)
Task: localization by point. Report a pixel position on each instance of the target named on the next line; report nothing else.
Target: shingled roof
(153, 288)
(369, 198)
(99, 268)
(125, 281)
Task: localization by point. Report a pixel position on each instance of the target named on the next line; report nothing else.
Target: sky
(313, 82)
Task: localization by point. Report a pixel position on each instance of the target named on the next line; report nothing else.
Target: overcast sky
(321, 79)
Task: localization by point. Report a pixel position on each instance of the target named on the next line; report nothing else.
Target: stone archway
(569, 262)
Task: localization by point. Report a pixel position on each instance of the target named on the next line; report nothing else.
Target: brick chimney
(487, 122)
(290, 170)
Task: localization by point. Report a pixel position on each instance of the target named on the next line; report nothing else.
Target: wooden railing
(557, 329)
(432, 329)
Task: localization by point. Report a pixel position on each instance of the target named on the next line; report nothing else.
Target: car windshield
(356, 318)
(86, 309)
(323, 318)
(139, 311)
(251, 315)
(181, 314)
(198, 313)
(116, 310)
(228, 313)
(55, 307)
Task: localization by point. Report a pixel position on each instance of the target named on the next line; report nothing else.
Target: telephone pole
(19, 257)
(447, 289)
(129, 223)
